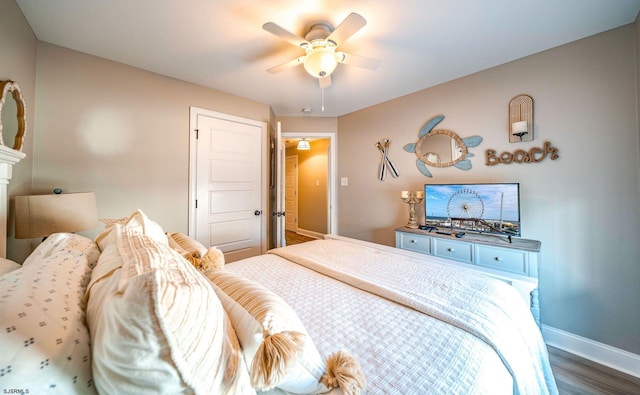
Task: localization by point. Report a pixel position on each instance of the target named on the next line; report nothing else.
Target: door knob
(257, 212)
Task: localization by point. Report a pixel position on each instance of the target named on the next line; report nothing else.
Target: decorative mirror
(12, 115)
(441, 148)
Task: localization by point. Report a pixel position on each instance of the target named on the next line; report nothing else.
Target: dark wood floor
(578, 376)
(295, 238)
(574, 375)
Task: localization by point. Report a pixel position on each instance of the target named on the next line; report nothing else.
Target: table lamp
(43, 215)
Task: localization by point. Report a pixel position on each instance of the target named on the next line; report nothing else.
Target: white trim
(592, 350)
(8, 158)
(310, 233)
(333, 173)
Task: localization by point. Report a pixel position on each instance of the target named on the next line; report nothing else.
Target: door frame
(193, 141)
(332, 190)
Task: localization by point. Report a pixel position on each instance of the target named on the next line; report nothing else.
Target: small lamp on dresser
(43, 215)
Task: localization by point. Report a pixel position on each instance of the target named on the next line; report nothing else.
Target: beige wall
(18, 46)
(121, 132)
(304, 125)
(583, 206)
(637, 26)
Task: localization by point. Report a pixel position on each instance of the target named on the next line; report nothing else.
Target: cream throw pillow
(182, 242)
(137, 221)
(201, 257)
(157, 325)
(275, 344)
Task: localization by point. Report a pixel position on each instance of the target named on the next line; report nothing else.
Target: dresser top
(491, 240)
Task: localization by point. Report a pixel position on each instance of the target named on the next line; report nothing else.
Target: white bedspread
(479, 305)
(401, 350)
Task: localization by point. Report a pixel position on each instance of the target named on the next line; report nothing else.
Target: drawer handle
(413, 241)
(498, 258)
(451, 250)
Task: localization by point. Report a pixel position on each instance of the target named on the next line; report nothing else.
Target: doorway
(309, 187)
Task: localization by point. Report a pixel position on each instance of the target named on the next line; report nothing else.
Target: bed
(140, 310)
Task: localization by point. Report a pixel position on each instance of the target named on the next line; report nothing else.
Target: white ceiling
(221, 43)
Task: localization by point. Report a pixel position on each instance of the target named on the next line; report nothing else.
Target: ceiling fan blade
(285, 34)
(351, 24)
(325, 82)
(286, 65)
(357, 60)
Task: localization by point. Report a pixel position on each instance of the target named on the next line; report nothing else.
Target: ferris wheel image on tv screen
(466, 203)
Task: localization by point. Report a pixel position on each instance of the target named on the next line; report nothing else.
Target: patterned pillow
(157, 325)
(44, 343)
(7, 265)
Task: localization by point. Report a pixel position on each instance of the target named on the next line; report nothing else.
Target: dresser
(514, 262)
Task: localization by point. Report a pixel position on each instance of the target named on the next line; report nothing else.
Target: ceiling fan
(320, 44)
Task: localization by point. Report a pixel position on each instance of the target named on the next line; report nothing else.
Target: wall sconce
(521, 119)
(412, 198)
(303, 145)
(43, 215)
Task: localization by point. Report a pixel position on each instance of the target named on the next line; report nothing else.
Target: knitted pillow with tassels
(275, 344)
(201, 257)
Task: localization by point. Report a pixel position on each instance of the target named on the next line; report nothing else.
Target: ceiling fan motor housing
(318, 31)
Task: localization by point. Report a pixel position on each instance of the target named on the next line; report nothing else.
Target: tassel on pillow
(212, 260)
(343, 371)
(274, 357)
(202, 258)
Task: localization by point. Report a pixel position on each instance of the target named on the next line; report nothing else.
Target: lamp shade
(43, 215)
(303, 145)
(519, 127)
(321, 62)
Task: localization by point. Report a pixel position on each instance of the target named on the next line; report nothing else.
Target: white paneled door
(229, 184)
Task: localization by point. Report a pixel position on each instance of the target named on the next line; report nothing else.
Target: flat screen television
(480, 208)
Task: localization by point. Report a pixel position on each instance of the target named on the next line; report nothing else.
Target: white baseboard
(603, 354)
(310, 233)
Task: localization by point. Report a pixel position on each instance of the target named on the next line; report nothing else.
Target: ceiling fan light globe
(321, 62)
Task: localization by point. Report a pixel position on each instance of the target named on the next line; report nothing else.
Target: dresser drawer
(505, 259)
(457, 250)
(413, 242)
